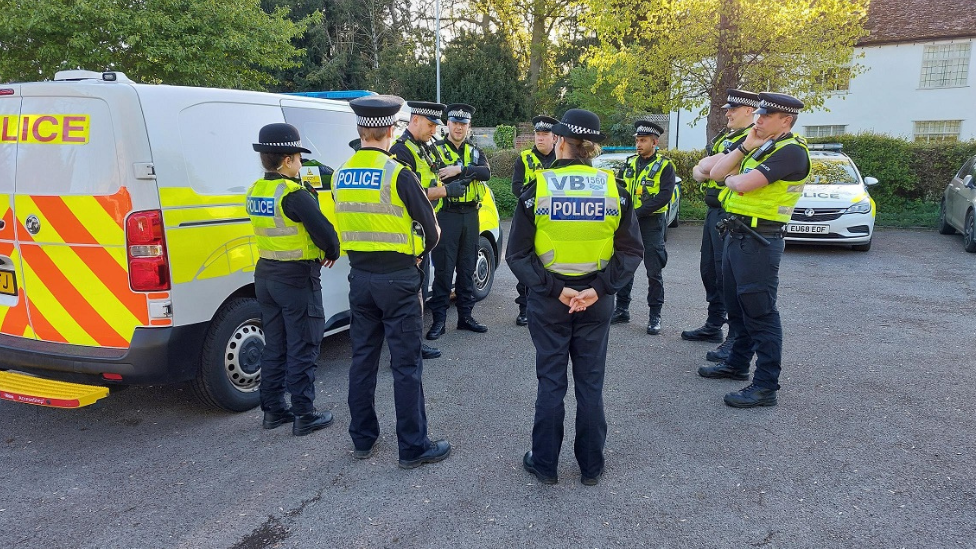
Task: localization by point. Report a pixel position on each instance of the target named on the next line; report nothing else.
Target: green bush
(502, 162)
(501, 187)
(505, 137)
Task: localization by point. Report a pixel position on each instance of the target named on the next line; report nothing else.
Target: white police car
(613, 161)
(835, 207)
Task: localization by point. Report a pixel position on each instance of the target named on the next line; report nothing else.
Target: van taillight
(148, 261)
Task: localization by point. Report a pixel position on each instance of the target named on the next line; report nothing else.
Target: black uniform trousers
(457, 251)
(751, 279)
(652, 230)
(712, 248)
(387, 304)
(293, 321)
(560, 337)
(522, 299)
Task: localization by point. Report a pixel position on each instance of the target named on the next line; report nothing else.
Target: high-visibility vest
(476, 189)
(533, 165)
(773, 202)
(278, 237)
(723, 141)
(425, 172)
(577, 212)
(370, 216)
(649, 177)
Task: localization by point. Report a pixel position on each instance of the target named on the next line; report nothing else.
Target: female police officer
(574, 242)
(294, 240)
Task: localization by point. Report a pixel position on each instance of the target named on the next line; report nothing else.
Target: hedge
(505, 137)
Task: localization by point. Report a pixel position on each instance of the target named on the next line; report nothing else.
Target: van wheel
(484, 269)
(943, 226)
(230, 362)
(969, 236)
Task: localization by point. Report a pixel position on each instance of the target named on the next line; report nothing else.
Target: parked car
(613, 161)
(836, 207)
(956, 213)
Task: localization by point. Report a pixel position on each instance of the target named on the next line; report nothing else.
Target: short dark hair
(372, 134)
(273, 161)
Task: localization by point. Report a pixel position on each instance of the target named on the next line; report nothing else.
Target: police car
(613, 161)
(835, 207)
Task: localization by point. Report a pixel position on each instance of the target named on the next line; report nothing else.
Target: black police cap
(432, 111)
(376, 111)
(279, 138)
(580, 124)
(741, 98)
(778, 102)
(460, 112)
(543, 123)
(644, 126)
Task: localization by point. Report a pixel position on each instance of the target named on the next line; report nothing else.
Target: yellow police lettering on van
(45, 129)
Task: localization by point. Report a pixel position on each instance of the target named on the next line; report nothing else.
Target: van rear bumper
(155, 356)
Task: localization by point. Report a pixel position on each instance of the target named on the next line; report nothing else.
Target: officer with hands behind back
(739, 111)
(466, 168)
(386, 224)
(649, 178)
(294, 240)
(574, 243)
(529, 163)
(765, 174)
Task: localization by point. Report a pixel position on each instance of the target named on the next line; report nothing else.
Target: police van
(126, 254)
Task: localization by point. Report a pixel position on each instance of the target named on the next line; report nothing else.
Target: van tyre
(943, 226)
(230, 362)
(969, 235)
(484, 269)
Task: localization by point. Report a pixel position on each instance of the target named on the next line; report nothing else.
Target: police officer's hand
(753, 139)
(645, 194)
(455, 189)
(328, 263)
(583, 300)
(567, 296)
(449, 171)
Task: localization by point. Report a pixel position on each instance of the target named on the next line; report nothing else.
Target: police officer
(765, 175)
(457, 251)
(649, 178)
(574, 243)
(294, 240)
(527, 166)
(412, 148)
(739, 111)
(386, 224)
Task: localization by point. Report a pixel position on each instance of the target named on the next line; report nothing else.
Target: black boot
(723, 371)
(654, 325)
(620, 315)
(751, 396)
(708, 332)
(312, 421)
(522, 319)
(437, 329)
(429, 352)
(273, 420)
(468, 322)
(721, 354)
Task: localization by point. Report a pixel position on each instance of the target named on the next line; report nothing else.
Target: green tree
(222, 43)
(482, 70)
(700, 48)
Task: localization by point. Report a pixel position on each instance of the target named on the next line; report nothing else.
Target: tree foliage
(687, 53)
(223, 43)
(482, 71)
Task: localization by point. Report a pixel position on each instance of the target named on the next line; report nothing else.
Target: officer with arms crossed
(574, 243)
(527, 167)
(765, 175)
(386, 224)
(412, 149)
(457, 251)
(294, 240)
(649, 178)
(739, 111)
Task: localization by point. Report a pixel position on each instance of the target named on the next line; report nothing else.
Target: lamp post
(437, 9)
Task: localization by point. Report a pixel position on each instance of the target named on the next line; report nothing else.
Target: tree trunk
(727, 66)
(537, 47)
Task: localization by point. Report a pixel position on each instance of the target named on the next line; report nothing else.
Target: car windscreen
(832, 171)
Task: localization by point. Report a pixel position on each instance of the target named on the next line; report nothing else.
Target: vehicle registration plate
(807, 229)
(8, 283)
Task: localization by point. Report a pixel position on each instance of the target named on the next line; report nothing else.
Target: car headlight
(861, 207)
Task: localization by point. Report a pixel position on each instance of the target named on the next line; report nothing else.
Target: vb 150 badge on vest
(576, 197)
(359, 178)
(260, 206)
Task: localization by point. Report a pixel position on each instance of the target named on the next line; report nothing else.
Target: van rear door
(70, 205)
(13, 304)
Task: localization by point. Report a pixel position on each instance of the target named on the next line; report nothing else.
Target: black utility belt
(763, 227)
(462, 207)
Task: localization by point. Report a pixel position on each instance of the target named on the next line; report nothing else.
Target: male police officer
(739, 111)
(527, 167)
(458, 218)
(413, 150)
(649, 178)
(294, 240)
(385, 224)
(765, 175)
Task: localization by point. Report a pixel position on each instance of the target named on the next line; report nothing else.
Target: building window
(824, 131)
(937, 130)
(945, 66)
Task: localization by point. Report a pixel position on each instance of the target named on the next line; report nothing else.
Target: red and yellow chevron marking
(13, 320)
(75, 272)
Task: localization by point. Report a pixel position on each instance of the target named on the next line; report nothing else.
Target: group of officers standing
(578, 235)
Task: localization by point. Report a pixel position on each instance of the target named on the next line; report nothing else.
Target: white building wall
(885, 99)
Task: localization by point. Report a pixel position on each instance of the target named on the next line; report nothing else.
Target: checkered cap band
(743, 101)
(284, 144)
(426, 112)
(581, 130)
(777, 107)
(376, 121)
(543, 127)
(460, 114)
(647, 129)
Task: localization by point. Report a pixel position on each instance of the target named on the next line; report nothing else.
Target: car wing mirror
(968, 181)
(870, 181)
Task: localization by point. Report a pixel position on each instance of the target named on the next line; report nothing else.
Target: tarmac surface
(872, 443)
